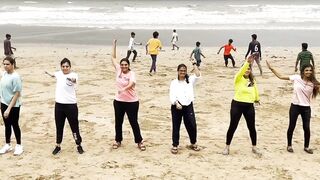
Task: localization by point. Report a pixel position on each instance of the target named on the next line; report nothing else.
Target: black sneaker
(80, 150)
(56, 150)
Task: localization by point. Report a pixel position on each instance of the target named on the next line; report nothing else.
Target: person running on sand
(246, 94)
(304, 57)
(255, 47)
(11, 86)
(7, 46)
(131, 47)
(153, 46)
(181, 98)
(126, 100)
(66, 104)
(227, 55)
(305, 87)
(197, 54)
(174, 40)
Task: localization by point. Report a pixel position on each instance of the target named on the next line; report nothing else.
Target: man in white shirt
(131, 47)
(174, 39)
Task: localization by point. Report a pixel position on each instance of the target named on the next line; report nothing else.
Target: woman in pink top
(305, 87)
(126, 100)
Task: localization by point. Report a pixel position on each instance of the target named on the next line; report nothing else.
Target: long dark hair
(313, 79)
(11, 60)
(186, 76)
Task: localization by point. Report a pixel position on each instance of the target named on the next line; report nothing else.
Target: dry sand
(213, 96)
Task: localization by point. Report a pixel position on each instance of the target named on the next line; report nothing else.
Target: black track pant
(11, 121)
(134, 54)
(305, 112)
(189, 120)
(131, 108)
(226, 57)
(69, 111)
(237, 109)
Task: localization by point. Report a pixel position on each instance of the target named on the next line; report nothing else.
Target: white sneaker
(6, 148)
(18, 150)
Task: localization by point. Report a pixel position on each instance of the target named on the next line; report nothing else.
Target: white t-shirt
(131, 44)
(302, 91)
(65, 89)
(175, 37)
(182, 91)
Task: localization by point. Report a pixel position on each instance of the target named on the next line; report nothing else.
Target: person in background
(227, 55)
(255, 47)
(131, 48)
(197, 54)
(174, 40)
(304, 57)
(153, 46)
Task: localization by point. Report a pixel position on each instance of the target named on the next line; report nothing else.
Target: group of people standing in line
(181, 93)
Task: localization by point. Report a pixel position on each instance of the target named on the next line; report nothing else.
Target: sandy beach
(214, 93)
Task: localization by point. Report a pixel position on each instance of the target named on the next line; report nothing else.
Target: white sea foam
(151, 16)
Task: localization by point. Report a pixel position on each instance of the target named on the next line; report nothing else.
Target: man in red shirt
(227, 55)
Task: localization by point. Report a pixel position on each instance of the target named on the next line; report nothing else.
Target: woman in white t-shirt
(66, 104)
(126, 100)
(181, 98)
(305, 87)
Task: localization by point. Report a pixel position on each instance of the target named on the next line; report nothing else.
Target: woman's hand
(178, 105)
(6, 113)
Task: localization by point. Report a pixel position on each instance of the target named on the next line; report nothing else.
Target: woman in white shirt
(305, 87)
(66, 104)
(182, 97)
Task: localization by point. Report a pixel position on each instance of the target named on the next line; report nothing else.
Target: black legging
(69, 111)
(12, 120)
(226, 57)
(237, 109)
(305, 112)
(187, 112)
(131, 108)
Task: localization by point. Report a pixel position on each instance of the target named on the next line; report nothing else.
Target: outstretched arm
(276, 73)
(49, 74)
(219, 50)
(114, 53)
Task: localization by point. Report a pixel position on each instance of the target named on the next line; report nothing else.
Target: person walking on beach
(11, 86)
(181, 98)
(227, 55)
(126, 100)
(174, 40)
(304, 57)
(197, 54)
(131, 47)
(305, 87)
(246, 94)
(255, 47)
(7, 46)
(66, 104)
(153, 46)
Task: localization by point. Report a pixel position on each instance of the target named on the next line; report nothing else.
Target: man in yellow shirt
(153, 46)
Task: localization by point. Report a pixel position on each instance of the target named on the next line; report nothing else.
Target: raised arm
(114, 54)
(195, 68)
(276, 73)
(244, 68)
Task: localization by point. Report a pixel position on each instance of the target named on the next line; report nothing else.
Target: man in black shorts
(255, 47)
